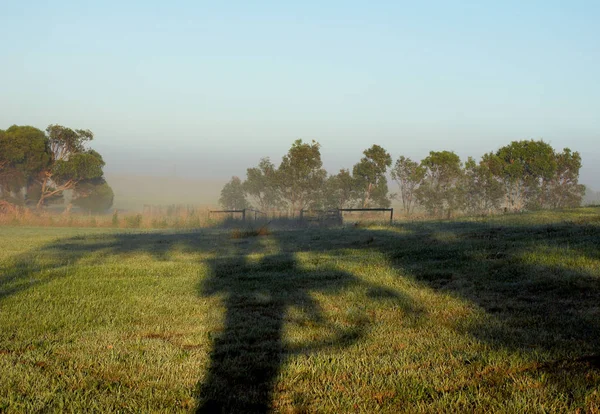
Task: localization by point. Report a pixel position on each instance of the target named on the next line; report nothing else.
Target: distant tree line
(522, 175)
(39, 168)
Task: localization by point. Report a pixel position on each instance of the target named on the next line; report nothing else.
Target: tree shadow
(536, 305)
(538, 285)
(247, 356)
(54, 259)
(258, 294)
(540, 282)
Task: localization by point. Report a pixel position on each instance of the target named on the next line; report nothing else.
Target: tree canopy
(95, 197)
(408, 174)
(233, 196)
(369, 175)
(521, 175)
(532, 172)
(340, 190)
(261, 185)
(36, 168)
(24, 153)
(440, 192)
(483, 193)
(300, 175)
(71, 163)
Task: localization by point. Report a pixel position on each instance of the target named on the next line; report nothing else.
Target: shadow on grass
(538, 282)
(248, 354)
(541, 282)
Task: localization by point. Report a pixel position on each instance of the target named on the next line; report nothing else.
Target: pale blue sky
(213, 86)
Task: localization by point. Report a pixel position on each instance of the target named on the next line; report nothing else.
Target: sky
(205, 89)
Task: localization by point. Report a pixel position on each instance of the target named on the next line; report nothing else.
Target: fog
(173, 176)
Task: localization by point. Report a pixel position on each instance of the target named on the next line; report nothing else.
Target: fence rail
(337, 211)
(340, 210)
(242, 212)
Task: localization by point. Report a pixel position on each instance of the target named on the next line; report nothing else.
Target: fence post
(392, 215)
(244, 215)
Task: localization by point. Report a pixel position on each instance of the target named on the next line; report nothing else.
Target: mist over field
(133, 192)
(169, 177)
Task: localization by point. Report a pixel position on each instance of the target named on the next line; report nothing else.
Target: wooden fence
(244, 212)
(338, 211)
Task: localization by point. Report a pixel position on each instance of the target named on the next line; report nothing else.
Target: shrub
(160, 223)
(115, 219)
(133, 222)
(242, 234)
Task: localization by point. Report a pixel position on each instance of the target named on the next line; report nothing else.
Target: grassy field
(477, 315)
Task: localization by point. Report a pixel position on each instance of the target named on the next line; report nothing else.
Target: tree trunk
(367, 196)
(40, 202)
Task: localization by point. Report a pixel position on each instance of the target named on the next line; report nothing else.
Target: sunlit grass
(473, 315)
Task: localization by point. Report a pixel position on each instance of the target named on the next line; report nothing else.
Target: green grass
(477, 315)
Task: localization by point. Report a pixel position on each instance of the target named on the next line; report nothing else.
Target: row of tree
(40, 168)
(521, 175)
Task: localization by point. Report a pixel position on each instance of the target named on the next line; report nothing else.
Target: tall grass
(190, 217)
(175, 218)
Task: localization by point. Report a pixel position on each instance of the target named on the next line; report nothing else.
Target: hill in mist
(591, 197)
(132, 192)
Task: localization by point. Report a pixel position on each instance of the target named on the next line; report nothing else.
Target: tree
(37, 167)
(300, 175)
(233, 196)
(541, 168)
(261, 185)
(94, 197)
(563, 189)
(4, 172)
(71, 163)
(5, 169)
(369, 176)
(483, 193)
(536, 176)
(524, 168)
(440, 192)
(24, 153)
(340, 190)
(408, 174)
